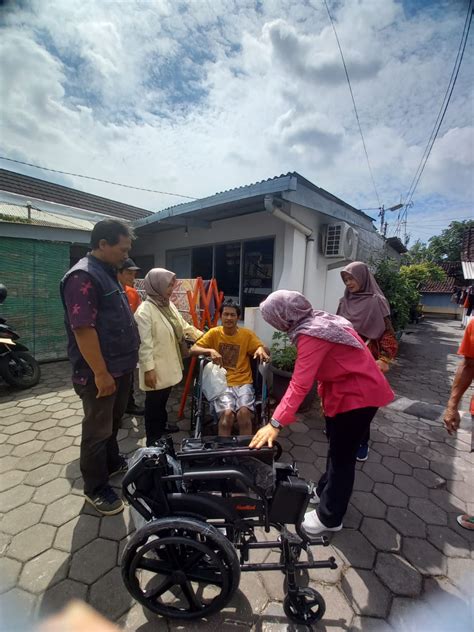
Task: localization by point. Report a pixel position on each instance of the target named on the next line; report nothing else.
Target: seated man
(232, 346)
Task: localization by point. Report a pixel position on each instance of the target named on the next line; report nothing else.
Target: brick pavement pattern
(401, 546)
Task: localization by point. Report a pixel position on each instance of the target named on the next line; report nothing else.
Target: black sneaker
(106, 501)
(120, 469)
(363, 452)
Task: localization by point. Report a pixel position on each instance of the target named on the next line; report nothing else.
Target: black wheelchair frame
(200, 508)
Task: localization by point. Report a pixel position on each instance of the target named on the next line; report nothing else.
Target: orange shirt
(467, 345)
(467, 349)
(133, 296)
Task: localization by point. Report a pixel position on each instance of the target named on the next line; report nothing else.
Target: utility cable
(353, 103)
(444, 104)
(117, 184)
(441, 114)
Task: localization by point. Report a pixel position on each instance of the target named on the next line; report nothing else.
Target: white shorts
(234, 398)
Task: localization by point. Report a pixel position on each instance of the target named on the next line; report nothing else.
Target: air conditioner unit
(341, 241)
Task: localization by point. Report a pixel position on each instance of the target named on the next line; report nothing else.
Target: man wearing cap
(126, 275)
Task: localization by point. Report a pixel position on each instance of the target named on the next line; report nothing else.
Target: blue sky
(197, 97)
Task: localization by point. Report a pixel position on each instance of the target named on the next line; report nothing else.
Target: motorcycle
(17, 366)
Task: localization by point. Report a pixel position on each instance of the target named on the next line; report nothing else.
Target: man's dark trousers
(99, 448)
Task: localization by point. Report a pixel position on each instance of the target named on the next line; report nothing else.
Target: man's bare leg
(226, 423)
(244, 421)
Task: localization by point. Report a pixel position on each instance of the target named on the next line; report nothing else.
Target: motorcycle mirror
(3, 293)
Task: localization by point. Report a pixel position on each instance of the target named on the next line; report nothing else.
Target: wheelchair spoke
(155, 566)
(188, 590)
(205, 575)
(193, 560)
(159, 590)
(173, 555)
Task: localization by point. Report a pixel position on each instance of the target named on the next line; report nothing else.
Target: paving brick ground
(400, 549)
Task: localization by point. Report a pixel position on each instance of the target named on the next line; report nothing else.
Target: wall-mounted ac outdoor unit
(341, 241)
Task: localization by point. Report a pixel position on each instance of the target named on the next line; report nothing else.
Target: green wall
(31, 271)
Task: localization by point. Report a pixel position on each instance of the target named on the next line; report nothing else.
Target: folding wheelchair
(197, 513)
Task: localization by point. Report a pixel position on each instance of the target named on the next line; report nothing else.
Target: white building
(281, 233)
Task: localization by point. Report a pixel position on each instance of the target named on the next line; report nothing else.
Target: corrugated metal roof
(15, 214)
(50, 192)
(468, 270)
(290, 174)
(284, 182)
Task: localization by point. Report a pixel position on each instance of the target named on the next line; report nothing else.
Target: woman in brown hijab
(366, 308)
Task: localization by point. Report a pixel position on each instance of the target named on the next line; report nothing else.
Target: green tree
(447, 246)
(399, 293)
(419, 273)
(401, 286)
(418, 253)
(444, 247)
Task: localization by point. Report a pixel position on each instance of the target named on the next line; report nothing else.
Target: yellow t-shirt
(235, 350)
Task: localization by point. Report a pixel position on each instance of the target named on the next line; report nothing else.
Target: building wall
(255, 226)
(292, 253)
(440, 305)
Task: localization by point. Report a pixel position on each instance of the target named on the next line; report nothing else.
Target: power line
(444, 104)
(429, 228)
(117, 184)
(441, 114)
(353, 103)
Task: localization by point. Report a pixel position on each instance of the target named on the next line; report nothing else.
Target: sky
(203, 96)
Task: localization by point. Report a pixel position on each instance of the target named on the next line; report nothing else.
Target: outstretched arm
(462, 380)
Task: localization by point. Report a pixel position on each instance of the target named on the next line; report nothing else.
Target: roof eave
(277, 185)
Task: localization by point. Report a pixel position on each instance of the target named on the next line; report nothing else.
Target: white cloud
(204, 96)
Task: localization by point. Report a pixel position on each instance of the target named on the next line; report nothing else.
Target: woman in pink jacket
(351, 387)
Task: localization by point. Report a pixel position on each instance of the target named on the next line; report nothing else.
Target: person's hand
(105, 384)
(451, 419)
(265, 436)
(76, 617)
(261, 355)
(383, 365)
(150, 379)
(215, 356)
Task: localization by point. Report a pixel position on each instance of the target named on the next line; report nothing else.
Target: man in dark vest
(103, 346)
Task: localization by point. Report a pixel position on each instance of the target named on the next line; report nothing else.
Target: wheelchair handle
(216, 473)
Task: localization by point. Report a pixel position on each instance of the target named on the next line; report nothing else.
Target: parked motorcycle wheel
(20, 369)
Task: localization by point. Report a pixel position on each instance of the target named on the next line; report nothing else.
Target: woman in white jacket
(162, 333)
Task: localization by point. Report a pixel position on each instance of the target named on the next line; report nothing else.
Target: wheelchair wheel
(306, 607)
(181, 568)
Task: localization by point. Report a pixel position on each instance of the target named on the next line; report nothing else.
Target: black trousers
(99, 448)
(156, 415)
(366, 437)
(345, 432)
(131, 398)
